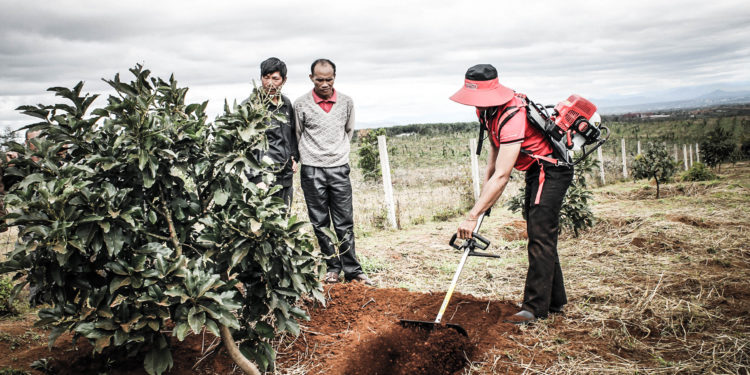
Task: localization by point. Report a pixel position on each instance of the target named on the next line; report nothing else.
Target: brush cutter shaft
(460, 268)
(448, 295)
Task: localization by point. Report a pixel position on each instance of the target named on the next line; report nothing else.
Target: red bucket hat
(482, 89)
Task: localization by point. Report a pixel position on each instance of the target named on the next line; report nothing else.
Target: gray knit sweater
(323, 138)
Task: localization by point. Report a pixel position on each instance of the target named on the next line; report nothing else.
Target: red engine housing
(569, 111)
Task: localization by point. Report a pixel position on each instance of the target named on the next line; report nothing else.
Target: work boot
(363, 279)
(522, 318)
(331, 278)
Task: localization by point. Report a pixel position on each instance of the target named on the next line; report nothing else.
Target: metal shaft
(460, 268)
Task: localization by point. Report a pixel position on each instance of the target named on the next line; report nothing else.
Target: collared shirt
(325, 104)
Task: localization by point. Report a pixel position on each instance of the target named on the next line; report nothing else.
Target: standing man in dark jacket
(325, 125)
(281, 136)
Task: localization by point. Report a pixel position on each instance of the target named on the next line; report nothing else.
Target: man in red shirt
(516, 143)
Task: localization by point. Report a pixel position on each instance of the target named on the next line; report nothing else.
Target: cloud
(399, 60)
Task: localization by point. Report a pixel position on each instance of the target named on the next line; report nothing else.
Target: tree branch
(172, 232)
(245, 365)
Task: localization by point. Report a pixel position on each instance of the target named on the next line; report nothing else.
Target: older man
(325, 125)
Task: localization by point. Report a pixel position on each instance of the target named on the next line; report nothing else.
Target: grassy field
(657, 286)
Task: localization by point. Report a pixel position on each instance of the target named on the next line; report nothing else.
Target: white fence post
(684, 155)
(601, 164)
(624, 161)
(690, 152)
(385, 168)
(697, 154)
(474, 166)
(676, 157)
(639, 147)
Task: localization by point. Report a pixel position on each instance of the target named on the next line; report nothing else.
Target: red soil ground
(357, 333)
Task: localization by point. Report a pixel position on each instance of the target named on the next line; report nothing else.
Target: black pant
(544, 280)
(286, 194)
(328, 194)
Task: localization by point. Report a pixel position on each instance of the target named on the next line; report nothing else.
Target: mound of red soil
(356, 333)
(513, 231)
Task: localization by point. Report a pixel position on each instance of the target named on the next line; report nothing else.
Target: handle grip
(453, 242)
(476, 241)
(480, 242)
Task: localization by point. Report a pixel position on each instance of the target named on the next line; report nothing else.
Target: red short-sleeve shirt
(518, 129)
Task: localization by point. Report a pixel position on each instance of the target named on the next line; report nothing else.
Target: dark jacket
(282, 142)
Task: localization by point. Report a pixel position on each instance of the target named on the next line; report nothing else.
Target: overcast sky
(398, 60)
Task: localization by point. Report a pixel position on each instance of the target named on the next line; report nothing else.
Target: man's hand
(466, 228)
(295, 166)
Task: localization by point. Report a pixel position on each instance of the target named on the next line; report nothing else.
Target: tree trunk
(657, 186)
(245, 365)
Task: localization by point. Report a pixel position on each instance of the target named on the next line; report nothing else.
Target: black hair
(272, 65)
(324, 62)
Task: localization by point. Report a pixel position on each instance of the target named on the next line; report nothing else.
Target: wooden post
(684, 155)
(385, 168)
(690, 152)
(697, 154)
(474, 166)
(624, 161)
(676, 157)
(601, 164)
(639, 147)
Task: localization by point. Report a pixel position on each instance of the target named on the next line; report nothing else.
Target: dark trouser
(328, 194)
(286, 194)
(544, 281)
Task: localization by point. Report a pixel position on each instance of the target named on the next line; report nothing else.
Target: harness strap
(541, 183)
(548, 159)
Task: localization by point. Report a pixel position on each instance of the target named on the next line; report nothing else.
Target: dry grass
(658, 287)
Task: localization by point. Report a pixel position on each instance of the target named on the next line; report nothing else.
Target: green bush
(7, 303)
(654, 163)
(140, 224)
(369, 156)
(698, 172)
(717, 148)
(745, 149)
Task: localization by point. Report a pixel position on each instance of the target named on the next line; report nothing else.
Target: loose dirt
(356, 333)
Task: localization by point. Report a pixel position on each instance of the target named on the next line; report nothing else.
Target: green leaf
(264, 329)
(196, 319)
(212, 327)
(292, 326)
(157, 361)
(255, 227)
(239, 255)
(114, 240)
(181, 331)
(117, 283)
(220, 197)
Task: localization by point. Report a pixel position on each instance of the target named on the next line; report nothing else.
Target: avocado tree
(717, 148)
(369, 156)
(654, 163)
(137, 223)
